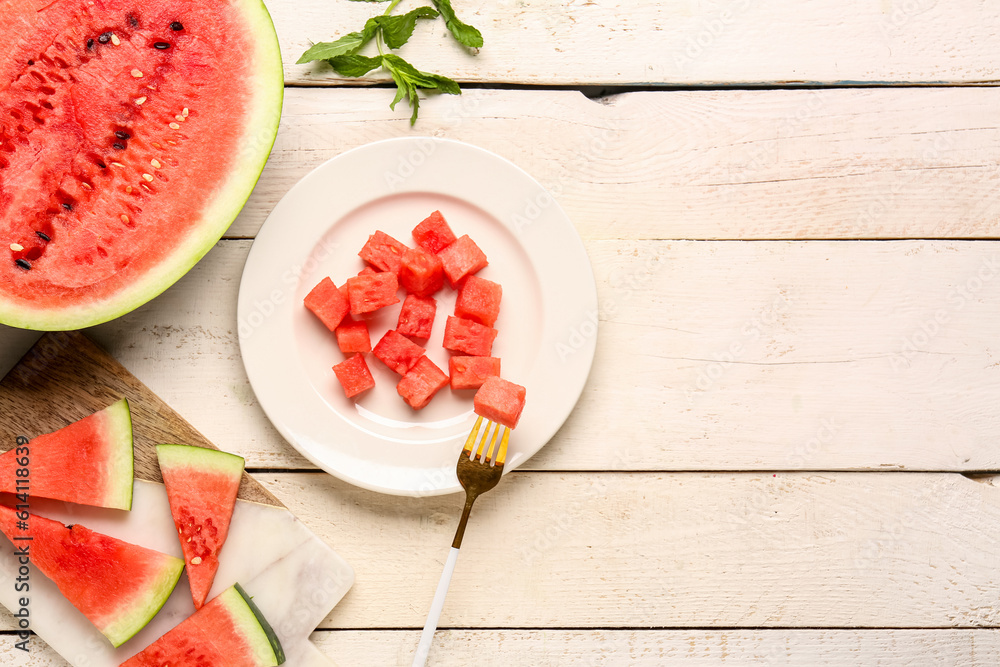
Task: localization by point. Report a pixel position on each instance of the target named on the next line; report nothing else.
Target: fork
(478, 473)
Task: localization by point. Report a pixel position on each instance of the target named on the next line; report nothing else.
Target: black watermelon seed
(43, 236)
(104, 38)
(176, 26)
(133, 21)
(162, 45)
(123, 135)
(68, 207)
(69, 526)
(119, 145)
(90, 43)
(31, 62)
(101, 165)
(24, 264)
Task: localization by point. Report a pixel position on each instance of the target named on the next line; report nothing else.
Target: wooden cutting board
(66, 377)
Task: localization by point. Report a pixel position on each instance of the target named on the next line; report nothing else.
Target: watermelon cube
(421, 272)
(472, 338)
(327, 303)
(416, 317)
(352, 336)
(398, 352)
(462, 258)
(500, 401)
(383, 252)
(479, 300)
(372, 291)
(471, 372)
(433, 234)
(367, 271)
(421, 382)
(354, 375)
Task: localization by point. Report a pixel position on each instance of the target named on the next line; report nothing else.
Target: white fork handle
(424, 647)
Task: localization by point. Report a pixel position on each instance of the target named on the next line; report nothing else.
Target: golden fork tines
(478, 471)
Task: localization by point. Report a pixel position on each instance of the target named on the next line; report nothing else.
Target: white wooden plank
(887, 163)
(681, 42)
(711, 356)
(654, 550)
(640, 648)
(607, 550)
(655, 648)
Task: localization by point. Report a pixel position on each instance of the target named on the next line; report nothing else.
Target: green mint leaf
(396, 30)
(354, 64)
(346, 45)
(349, 43)
(463, 32)
(408, 78)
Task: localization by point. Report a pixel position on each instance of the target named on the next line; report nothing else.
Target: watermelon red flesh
(471, 372)
(370, 292)
(500, 400)
(229, 630)
(397, 351)
(468, 337)
(88, 462)
(479, 300)
(121, 161)
(328, 303)
(421, 382)
(462, 258)
(201, 487)
(383, 252)
(416, 317)
(353, 336)
(118, 586)
(421, 272)
(433, 233)
(354, 375)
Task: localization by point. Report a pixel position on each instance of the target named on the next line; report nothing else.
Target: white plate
(547, 323)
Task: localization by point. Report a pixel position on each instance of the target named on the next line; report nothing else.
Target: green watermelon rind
(266, 644)
(142, 612)
(122, 473)
(262, 129)
(199, 458)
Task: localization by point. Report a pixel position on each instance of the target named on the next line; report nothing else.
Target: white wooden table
(784, 452)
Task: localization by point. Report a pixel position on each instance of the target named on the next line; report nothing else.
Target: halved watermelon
(201, 487)
(118, 586)
(89, 462)
(228, 631)
(132, 134)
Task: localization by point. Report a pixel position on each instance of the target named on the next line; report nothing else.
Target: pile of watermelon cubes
(421, 272)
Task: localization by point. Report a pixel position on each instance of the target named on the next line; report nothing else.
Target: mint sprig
(464, 33)
(394, 30)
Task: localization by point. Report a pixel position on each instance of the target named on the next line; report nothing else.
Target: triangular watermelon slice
(229, 630)
(118, 586)
(201, 486)
(88, 462)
